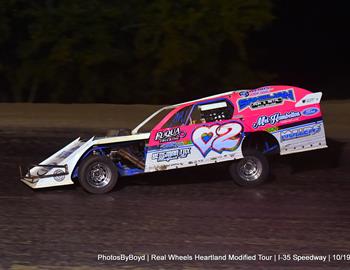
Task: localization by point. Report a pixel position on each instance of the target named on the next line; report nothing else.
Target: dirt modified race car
(240, 127)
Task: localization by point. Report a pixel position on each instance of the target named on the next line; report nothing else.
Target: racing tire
(251, 170)
(98, 174)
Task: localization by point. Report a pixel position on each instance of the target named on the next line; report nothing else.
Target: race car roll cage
(148, 119)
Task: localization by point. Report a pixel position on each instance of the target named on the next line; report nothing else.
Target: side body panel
(194, 145)
(291, 114)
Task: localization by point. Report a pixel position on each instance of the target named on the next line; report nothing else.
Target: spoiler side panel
(306, 134)
(291, 114)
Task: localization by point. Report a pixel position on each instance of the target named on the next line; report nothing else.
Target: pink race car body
(242, 125)
(291, 115)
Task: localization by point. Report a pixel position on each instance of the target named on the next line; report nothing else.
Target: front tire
(98, 174)
(251, 170)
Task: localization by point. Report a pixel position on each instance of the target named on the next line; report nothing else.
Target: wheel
(98, 174)
(251, 170)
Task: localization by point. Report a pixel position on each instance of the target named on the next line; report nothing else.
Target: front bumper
(42, 171)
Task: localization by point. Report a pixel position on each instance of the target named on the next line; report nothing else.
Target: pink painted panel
(261, 109)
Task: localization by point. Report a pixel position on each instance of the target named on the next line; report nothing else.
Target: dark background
(168, 51)
(306, 46)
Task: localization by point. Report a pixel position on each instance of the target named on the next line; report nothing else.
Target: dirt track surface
(303, 209)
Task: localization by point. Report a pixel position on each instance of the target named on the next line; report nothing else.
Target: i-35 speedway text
(240, 126)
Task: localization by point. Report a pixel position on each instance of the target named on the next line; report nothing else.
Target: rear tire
(251, 170)
(98, 174)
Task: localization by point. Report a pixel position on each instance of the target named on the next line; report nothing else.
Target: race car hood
(127, 138)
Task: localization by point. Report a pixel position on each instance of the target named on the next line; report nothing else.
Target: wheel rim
(99, 175)
(250, 168)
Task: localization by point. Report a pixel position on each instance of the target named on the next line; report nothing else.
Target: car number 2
(218, 138)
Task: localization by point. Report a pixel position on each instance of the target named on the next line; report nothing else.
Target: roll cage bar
(144, 122)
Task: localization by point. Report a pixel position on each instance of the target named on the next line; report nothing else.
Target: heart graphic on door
(203, 138)
(207, 136)
(226, 137)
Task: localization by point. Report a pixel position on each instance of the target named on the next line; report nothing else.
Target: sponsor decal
(275, 118)
(170, 145)
(244, 93)
(255, 92)
(42, 171)
(266, 103)
(218, 138)
(271, 129)
(169, 135)
(310, 111)
(67, 153)
(267, 100)
(260, 91)
(171, 154)
(300, 132)
(57, 175)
